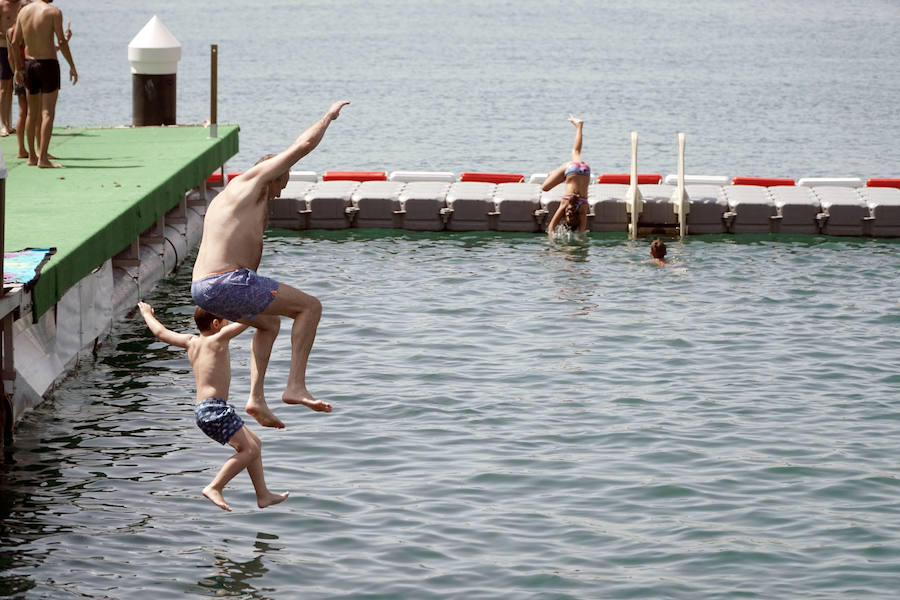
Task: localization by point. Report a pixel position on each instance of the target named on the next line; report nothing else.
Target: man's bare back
(236, 224)
(37, 20)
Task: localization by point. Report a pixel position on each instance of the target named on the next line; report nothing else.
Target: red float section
(354, 176)
(625, 178)
(493, 177)
(893, 182)
(216, 178)
(762, 181)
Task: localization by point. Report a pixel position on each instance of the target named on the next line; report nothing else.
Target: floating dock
(124, 211)
(473, 201)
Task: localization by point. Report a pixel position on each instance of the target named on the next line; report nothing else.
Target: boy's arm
(159, 330)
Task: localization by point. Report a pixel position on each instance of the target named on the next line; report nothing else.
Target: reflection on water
(234, 578)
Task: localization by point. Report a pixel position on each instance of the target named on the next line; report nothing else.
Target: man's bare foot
(4, 132)
(215, 496)
(307, 400)
(46, 164)
(271, 499)
(32, 161)
(260, 411)
(22, 154)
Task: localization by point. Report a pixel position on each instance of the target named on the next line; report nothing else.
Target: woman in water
(573, 207)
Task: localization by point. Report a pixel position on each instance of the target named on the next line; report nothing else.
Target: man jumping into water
(226, 284)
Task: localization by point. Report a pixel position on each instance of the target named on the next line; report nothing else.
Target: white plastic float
(633, 203)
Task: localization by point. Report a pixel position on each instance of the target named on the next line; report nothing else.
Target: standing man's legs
(32, 124)
(20, 122)
(6, 95)
(48, 114)
(6, 92)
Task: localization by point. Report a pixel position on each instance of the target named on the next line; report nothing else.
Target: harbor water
(513, 417)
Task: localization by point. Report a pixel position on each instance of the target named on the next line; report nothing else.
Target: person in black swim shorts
(9, 11)
(210, 360)
(36, 27)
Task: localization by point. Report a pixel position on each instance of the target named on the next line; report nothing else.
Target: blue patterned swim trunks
(234, 295)
(217, 419)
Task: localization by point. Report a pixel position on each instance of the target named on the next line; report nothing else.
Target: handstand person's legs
(556, 177)
(576, 144)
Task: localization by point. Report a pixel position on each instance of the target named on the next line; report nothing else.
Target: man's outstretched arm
(282, 162)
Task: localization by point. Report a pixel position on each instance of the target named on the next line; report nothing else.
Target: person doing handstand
(573, 207)
(225, 281)
(210, 361)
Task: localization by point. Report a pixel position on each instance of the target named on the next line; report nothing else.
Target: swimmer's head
(657, 249)
(204, 320)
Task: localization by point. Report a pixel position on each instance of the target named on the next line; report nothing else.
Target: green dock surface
(115, 183)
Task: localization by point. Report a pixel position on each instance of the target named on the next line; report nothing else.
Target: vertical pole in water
(680, 199)
(634, 203)
(213, 90)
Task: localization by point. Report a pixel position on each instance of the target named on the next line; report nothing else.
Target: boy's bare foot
(46, 164)
(4, 132)
(32, 161)
(271, 499)
(259, 410)
(22, 154)
(215, 496)
(307, 400)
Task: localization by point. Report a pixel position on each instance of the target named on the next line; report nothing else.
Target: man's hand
(335, 109)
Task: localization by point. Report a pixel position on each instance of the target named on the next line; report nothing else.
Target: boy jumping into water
(210, 361)
(225, 281)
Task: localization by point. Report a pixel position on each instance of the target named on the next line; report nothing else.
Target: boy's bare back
(208, 352)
